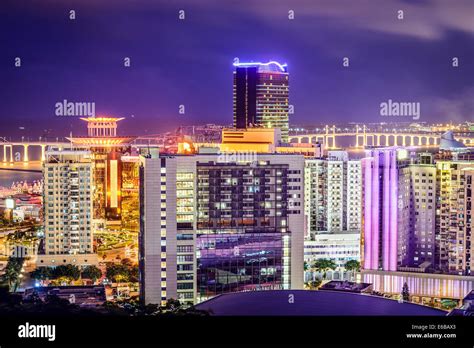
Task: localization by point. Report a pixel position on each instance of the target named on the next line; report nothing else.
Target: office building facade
(210, 227)
(260, 96)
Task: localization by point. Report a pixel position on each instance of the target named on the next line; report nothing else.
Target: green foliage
(314, 284)
(306, 266)
(352, 265)
(70, 272)
(11, 277)
(324, 265)
(122, 272)
(42, 273)
(91, 272)
(405, 292)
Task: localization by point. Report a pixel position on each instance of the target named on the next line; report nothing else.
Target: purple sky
(189, 62)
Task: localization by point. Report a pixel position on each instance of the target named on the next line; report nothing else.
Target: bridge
(8, 148)
(365, 137)
(24, 146)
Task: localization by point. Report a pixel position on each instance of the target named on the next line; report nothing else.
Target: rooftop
(310, 303)
(271, 66)
(102, 119)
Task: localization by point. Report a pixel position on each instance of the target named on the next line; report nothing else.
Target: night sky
(189, 62)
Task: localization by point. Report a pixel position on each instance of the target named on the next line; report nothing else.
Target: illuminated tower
(386, 208)
(261, 96)
(113, 164)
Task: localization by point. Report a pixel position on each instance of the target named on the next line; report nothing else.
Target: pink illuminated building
(386, 209)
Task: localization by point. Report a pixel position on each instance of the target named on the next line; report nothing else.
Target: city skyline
(167, 168)
(82, 60)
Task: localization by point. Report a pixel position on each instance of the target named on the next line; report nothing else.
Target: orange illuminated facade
(251, 140)
(113, 161)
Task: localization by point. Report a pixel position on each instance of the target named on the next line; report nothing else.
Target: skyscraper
(333, 193)
(261, 96)
(454, 217)
(386, 203)
(421, 246)
(68, 194)
(211, 225)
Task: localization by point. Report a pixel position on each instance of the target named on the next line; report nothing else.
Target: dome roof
(448, 141)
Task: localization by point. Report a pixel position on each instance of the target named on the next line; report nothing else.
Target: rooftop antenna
(70, 138)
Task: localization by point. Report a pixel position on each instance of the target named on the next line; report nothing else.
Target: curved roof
(310, 303)
(448, 142)
(271, 66)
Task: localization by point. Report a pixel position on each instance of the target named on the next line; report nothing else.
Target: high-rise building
(211, 225)
(261, 96)
(422, 228)
(68, 195)
(333, 193)
(386, 209)
(115, 173)
(423, 208)
(454, 217)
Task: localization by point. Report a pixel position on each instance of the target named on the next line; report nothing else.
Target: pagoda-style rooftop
(102, 141)
(102, 119)
(98, 127)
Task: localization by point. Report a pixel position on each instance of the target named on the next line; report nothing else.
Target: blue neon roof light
(259, 64)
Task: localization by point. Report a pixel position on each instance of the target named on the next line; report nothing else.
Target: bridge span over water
(364, 137)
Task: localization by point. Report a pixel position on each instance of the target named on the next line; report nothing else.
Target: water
(7, 177)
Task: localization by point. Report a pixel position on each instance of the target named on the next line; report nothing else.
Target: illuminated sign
(10, 203)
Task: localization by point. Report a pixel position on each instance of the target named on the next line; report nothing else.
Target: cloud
(428, 19)
(423, 19)
(458, 107)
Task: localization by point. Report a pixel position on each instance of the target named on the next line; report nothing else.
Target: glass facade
(239, 262)
(242, 236)
(260, 96)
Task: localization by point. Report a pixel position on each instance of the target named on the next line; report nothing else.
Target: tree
(12, 272)
(10, 276)
(133, 273)
(172, 305)
(306, 266)
(122, 272)
(117, 272)
(352, 266)
(313, 284)
(41, 273)
(405, 292)
(324, 265)
(91, 272)
(68, 272)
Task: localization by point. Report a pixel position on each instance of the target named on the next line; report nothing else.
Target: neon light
(368, 214)
(375, 210)
(281, 66)
(393, 234)
(386, 211)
